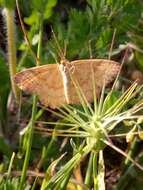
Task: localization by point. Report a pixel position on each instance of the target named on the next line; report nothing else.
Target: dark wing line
(32, 74)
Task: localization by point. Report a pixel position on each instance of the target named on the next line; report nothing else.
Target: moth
(53, 83)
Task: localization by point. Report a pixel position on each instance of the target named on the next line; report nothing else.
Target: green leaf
(38, 5)
(48, 8)
(10, 4)
(40, 8)
(32, 19)
(44, 7)
(111, 99)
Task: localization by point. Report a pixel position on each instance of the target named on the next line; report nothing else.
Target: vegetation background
(31, 150)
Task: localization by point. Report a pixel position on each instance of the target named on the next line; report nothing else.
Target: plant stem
(34, 184)
(95, 171)
(39, 51)
(89, 171)
(10, 165)
(10, 26)
(132, 152)
(33, 117)
(101, 171)
(63, 184)
(29, 143)
(45, 153)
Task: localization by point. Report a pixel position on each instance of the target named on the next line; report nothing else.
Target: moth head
(64, 62)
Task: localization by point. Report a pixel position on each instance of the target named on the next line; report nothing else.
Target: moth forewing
(44, 81)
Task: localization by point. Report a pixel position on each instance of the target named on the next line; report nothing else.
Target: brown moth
(54, 85)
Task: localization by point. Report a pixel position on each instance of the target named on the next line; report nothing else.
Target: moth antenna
(55, 49)
(25, 33)
(53, 55)
(65, 48)
(61, 55)
(112, 43)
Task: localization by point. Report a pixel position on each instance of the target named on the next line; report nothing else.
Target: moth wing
(85, 71)
(45, 81)
(105, 71)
